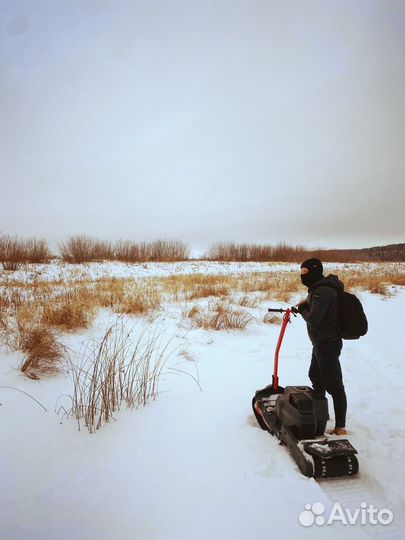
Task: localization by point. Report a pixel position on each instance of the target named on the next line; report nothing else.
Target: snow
(57, 270)
(193, 464)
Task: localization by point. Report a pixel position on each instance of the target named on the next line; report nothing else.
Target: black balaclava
(314, 273)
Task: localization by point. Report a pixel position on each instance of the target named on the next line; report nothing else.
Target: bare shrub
(156, 250)
(81, 248)
(78, 249)
(130, 252)
(38, 251)
(13, 252)
(117, 371)
(103, 251)
(44, 353)
(168, 250)
(230, 251)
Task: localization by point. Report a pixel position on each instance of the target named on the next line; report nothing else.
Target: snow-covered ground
(194, 464)
(60, 271)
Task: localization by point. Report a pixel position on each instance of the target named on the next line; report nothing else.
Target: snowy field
(193, 464)
(60, 271)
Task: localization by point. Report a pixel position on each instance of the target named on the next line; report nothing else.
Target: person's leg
(315, 376)
(327, 355)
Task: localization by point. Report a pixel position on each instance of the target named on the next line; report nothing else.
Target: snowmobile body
(298, 417)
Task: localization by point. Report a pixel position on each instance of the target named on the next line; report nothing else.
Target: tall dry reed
(115, 371)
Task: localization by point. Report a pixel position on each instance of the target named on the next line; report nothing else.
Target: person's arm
(321, 300)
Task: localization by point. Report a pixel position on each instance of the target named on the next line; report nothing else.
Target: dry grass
(193, 312)
(139, 301)
(194, 286)
(116, 371)
(274, 285)
(249, 301)
(205, 291)
(72, 310)
(220, 316)
(272, 319)
(376, 281)
(110, 292)
(185, 353)
(71, 306)
(44, 352)
(21, 330)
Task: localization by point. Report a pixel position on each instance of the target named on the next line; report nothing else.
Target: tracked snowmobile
(298, 417)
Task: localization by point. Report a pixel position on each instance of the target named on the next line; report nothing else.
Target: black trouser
(326, 374)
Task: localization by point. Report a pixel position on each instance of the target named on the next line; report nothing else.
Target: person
(320, 312)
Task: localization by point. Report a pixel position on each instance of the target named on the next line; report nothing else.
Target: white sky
(259, 121)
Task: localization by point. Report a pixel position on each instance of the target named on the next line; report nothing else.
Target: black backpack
(352, 320)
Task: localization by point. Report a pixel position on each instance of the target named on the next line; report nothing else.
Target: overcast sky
(259, 121)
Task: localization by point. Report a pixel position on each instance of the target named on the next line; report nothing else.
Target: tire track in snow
(351, 493)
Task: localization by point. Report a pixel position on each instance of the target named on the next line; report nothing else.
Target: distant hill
(391, 252)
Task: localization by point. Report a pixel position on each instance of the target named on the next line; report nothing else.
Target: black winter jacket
(321, 309)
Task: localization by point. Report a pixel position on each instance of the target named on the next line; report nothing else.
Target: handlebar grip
(276, 310)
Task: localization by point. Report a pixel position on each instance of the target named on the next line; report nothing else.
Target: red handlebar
(286, 319)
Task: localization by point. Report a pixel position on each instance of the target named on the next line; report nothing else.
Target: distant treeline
(85, 249)
(229, 251)
(15, 251)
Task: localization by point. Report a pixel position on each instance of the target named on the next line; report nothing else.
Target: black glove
(302, 306)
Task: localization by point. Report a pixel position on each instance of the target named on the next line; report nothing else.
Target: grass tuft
(71, 310)
(272, 319)
(140, 301)
(221, 316)
(44, 353)
(117, 371)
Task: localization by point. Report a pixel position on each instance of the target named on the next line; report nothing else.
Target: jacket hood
(329, 281)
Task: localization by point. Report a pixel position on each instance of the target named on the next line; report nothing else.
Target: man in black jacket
(320, 311)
